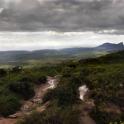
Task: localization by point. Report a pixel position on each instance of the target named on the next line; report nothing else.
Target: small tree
(9, 104)
(23, 88)
(17, 69)
(2, 72)
(41, 80)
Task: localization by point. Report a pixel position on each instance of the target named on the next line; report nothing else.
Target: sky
(42, 24)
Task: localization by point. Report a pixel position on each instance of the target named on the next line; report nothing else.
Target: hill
(109, 58)
(111, 47)
(9, 57)
(103, 103)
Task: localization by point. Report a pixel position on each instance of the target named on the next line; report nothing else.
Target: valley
(54, 56)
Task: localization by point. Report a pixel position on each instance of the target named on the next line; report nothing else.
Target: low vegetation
(18, 84)
(104, 77)
(9, 104)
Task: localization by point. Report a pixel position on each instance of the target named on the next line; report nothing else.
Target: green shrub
(23, 88)
(49, 96)
(41, 80)
(102, 117)
(36, 77)
(9, 104)
(53, 115)
(16, 69)
(34, 118)
(3, 72)
(44, 118)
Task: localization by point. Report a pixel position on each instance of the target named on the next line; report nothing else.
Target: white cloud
(8, 1)
(53, 40)
(108, 31)
(1, 10)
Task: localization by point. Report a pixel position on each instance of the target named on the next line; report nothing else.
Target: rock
(82, 91)
(16, 115)
(37, 100)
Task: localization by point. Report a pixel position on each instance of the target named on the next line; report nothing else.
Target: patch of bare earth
(7, 121)
(112, 108)
(86, 108)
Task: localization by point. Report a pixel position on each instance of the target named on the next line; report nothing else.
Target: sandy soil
(86, 109)
(7, 121)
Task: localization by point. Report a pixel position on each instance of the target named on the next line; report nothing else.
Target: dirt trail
(7, 121)
(86, 109)
(87, 105)
(33, 103)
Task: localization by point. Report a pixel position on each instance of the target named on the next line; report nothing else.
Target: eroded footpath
(32, 104)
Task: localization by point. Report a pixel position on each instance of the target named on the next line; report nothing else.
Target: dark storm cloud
(61, 15)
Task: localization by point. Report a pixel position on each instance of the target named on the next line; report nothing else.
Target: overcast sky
(91, 22)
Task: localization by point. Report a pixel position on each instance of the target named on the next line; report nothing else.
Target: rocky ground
(36, 104)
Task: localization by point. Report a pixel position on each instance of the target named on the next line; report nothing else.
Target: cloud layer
(53, 40)
(61, 15)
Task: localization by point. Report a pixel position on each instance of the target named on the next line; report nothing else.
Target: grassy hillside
(104, 77)
(46, 60)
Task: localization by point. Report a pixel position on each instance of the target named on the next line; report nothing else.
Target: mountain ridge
(111, 46)
(84, 52)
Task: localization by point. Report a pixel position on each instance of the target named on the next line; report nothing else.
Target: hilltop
(111, 46)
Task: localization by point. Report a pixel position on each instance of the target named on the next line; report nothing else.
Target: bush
(9, 105)
(102, 117)
(54, 115)
(36, 77)
(65, 97)
(41, 80)
(67, 72)
(44, 118)
(66, 94)
(49, 96)
(3, 72)
(26, 79)
(24, 89)
(70, 115)
(17, 69)
(34, 118)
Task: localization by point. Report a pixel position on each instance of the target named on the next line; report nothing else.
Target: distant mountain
(111, 47)
(22, 56)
